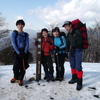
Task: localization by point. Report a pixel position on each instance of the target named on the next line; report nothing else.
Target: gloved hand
(36, 42)
(22, 55)
(57, 48)
(19, 55)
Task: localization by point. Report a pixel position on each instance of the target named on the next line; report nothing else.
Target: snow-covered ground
(52, 90)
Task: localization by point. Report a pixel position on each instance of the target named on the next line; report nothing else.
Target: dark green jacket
(74, 40)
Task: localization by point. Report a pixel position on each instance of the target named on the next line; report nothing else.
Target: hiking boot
(74, 79)
(48, 79)
(57, 79)
(13, 80)
(79, 84)
(45, 78)
(79, 87)
(61, 79)
(20, 82)
(52, 79)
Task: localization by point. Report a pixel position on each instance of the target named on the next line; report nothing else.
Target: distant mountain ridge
(32, 33)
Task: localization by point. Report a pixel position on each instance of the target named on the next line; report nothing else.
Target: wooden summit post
(38, 57)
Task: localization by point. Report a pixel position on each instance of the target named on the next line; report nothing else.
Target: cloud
(28, 24)
(20, 17)
(85, 10)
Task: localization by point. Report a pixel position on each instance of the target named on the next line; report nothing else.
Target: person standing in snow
(60, 45)
(74, 47)
(20, 43)
(46, 60)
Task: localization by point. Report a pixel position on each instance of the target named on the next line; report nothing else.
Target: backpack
(20, 35)
(62, 34)
(78, 25)
(16, 32)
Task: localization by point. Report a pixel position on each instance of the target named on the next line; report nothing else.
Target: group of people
(59, 44)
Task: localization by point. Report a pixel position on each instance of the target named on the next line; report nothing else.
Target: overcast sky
(40, 13)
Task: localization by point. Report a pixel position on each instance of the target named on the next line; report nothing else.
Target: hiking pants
(75, 57)
(59, 60)
(48, 66)
(18, 69)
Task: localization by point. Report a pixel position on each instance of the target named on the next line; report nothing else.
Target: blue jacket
(61, 43)
(20, 42)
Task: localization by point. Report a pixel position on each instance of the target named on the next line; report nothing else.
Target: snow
(43, 90)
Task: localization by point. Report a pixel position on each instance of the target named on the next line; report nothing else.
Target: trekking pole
(24, 70)
(59, 68)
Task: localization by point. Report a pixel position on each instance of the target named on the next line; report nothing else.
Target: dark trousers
(59, 60)
(48, 66)
(18, 69)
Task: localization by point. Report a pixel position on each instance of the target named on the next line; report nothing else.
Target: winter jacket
(74, 40)
(47, 46)
(60, 43)
(19, 42)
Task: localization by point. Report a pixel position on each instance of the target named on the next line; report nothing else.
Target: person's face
(44, 34)
(20, 26)
(68, 27)
(55, 34)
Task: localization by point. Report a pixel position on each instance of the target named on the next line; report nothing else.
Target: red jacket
(47, 46)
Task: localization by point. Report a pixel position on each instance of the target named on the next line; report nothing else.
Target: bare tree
(5, 42)
(52, 25)
(3, 31)
(4, 39)
(92, 54)
(33, 48)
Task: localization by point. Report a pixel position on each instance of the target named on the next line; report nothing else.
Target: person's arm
(27, 44)
(68, 43)
(13, 40)
(64, 43)
(52, 47)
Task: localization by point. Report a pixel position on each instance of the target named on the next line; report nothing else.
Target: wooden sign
(38, 57)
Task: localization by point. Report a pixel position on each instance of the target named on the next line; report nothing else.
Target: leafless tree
(33, 48)
(3, 31)
(5, 42)
(52, 25)
(92, 54)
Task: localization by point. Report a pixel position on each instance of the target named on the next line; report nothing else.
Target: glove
(22, 55)
(56, 49)
(36, 42)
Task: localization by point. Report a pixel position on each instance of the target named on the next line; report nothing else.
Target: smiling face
(20, 26)
(68, 27)
(44, 34)
(55, 34)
